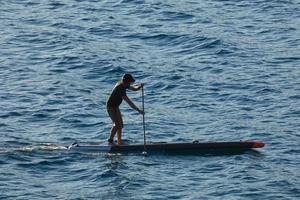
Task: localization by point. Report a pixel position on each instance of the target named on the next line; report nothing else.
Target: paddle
(143, 106)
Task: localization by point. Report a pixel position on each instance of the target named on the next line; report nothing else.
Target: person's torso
(115, 98)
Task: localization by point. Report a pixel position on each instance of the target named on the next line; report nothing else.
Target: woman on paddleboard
(116, 97)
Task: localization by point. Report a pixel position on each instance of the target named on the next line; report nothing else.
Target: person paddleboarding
(115, 99)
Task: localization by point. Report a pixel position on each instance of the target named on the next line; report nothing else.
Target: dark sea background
(213, 71)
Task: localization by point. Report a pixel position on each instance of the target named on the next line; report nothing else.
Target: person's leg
(119, 136)
(116, 117)
(119, 126)
(112, 134)
(112, 112)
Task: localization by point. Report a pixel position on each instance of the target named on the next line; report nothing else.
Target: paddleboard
(167, 147)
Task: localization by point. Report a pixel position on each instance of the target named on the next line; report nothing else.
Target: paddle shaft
(144, 127)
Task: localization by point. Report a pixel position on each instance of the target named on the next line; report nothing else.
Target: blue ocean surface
(214, 70)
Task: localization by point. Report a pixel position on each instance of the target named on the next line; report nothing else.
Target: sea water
(213, 71)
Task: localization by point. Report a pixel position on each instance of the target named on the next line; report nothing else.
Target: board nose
(258, 145)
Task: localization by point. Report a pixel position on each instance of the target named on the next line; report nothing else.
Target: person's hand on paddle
(140, 86)
(141, 112)
(136, 87)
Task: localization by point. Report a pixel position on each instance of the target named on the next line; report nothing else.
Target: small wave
(42, 147)
(131, 1)
(156, 39)
(297, 96)
(55, 5)
(224, 52)
(191, 48)
(46, 147)
(287, 59)
(268, 91)
(3, 151)
(101, 31)
(175, 16)
(41, 163)
(11, 114)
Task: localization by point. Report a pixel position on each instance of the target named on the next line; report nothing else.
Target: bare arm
(132, 105)
(136, 87)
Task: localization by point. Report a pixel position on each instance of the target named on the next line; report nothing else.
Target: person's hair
(127, 78)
